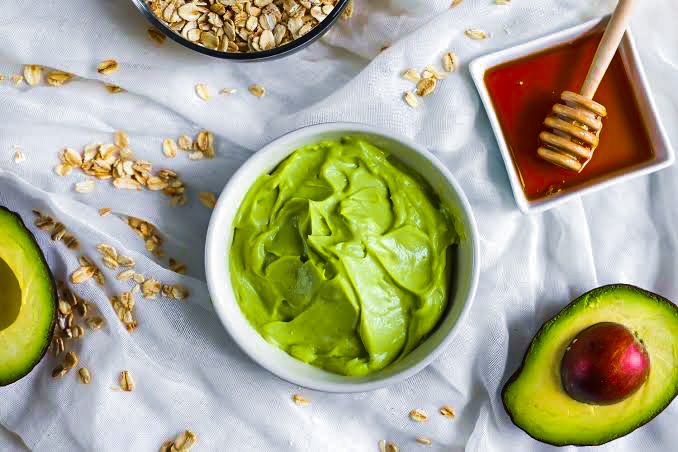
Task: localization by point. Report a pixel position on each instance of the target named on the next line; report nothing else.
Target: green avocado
(28, 300)
(535, 399)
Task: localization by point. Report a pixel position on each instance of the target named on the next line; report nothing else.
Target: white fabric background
(189, 373)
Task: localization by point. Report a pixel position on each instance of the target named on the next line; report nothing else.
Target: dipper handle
(608, 46)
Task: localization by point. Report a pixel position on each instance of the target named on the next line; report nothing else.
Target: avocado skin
(595, 292)
(52, 283)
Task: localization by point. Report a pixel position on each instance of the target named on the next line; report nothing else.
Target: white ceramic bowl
(664, 155)
(220, 234)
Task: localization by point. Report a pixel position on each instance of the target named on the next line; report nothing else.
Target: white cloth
(189, 373)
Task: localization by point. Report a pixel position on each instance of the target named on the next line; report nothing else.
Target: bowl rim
(263, 55)
(480, 65)
(215, 233)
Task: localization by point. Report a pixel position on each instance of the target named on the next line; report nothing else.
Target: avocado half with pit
(28, 300)
(541, 397)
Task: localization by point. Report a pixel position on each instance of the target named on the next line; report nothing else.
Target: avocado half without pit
(27, 300)
(602, 367)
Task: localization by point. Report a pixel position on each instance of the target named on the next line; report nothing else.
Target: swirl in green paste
(340, 257)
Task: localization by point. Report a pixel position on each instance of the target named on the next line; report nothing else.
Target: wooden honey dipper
(577, 124)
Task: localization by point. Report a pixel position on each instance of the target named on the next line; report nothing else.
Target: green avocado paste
(341, 256)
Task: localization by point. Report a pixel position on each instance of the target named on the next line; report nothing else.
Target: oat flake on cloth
(189, 374)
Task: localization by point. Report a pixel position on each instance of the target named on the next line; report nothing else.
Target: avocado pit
(604, 364)
(10, 296)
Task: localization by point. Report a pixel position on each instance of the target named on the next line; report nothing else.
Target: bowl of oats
(342, 257)
(243, 30)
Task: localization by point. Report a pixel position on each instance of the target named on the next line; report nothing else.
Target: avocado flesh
(534, 396)
(27, 300)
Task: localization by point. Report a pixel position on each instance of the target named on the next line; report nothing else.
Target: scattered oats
(202, 91)
(411, 99)
(126, 275)
(17, 79)
(44, 222)
(105, 211)
(228, 91)
(156, 36)
(208, 199)
(424, 440)
(179, 292)
(455, 3)
(348, 11)
(99, 278)
(59, 371)
(70, 360)
(382, 445)
(131, 326)
(107, 66)
(151, 288)
(78, 331)
(82, 274)
(81, 309)
(426, 86)
(107, 250)
(110, 262)
(126, 262)
(86, 262)
(121, 139)
(476, 34)
(196, 155)
(32, 74)
(71, 157)
(85, 186)
(300, 400)
(185, 142)
(57, 346)
(63, 169)
(84, 376)
(169, 148)
(450, 62)
(126, 183)
(113, 89)
(139, 278)
(58, 232)
(447, 411)
(391, 447)
(19, 156)
(257, 90)
(167, 446)
(58, 78)
(176, 266)
(418, 415)
(185, 441)
(411, 75)
(205, 143)
(434, 73)
(166, 290)
(64, 307)
(154, 183)
(95, 323)
(126, 381)
(71, 242)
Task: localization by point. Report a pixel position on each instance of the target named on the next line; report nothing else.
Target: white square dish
(663, 153)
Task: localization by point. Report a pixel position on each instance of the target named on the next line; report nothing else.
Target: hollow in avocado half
(27, 300)
(640, 330)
